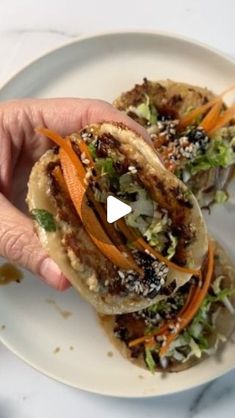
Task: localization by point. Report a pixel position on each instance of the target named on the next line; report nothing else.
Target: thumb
(19, 244)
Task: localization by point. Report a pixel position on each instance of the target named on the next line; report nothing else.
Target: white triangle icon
(116, 209)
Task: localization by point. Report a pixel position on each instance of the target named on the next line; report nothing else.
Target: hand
(20, 147)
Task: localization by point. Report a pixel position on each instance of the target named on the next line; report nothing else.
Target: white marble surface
(28, 29)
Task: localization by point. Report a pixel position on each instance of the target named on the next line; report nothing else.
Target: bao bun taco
(140, 259)
(169, 336)
(192, 131)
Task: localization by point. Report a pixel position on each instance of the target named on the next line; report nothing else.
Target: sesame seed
(86, 161)
(132, 169)
(121, 274)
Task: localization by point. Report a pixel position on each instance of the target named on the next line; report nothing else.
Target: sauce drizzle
(9, 273)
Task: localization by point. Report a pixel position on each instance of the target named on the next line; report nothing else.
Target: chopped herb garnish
(92, 149)
(105, 167)
(149, 360)
(45, 219)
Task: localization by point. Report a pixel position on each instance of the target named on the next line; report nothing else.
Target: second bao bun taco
(138, 260)
(191, 129)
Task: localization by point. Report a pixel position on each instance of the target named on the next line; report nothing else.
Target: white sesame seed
(164, 362)
(86, 161)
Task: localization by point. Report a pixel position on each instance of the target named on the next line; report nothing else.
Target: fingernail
(52, 275)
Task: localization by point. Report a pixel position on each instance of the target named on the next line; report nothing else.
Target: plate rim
(100, 34)
(22, 69)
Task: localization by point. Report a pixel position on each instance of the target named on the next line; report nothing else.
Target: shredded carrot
(146, 338)
(102, 213)
(165, 327)
(113, 234)
(91, 224)
(200, 110)
(141, 245)
(186, 314)
(85, 150)
(65, 144)
(195, 113)
(224, 119)
(212, 116)
(194, 305)
(57, 174)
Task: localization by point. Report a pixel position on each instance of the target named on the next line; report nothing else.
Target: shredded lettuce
(160, 306)
(142, 206)
(195, 349)
(219, 297)
(156, 232)
(145, 110)
(226, 133)
(171, 249)
(149, 360)
(218, 154)
(105, 166)
(221, 196)
(195, 339)
(92, 149)
(107, 177)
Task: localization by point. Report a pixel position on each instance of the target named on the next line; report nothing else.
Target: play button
(116, 209)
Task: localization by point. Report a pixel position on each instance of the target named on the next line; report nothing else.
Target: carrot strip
(191, 116)
(165, 326)
(102, 213)
(147, 338)
(65, 144)
(186, 314)
(57, 174)
(141, 245)
(195, 304)
(128, 232)
(91, 224)
(113, 234)
(224, 119)
(212, 116)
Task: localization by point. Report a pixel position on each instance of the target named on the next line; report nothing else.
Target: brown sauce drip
(9, 273)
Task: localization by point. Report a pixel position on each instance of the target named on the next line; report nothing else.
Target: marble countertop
(28, 29)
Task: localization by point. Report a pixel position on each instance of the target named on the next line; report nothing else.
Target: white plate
(103, 66)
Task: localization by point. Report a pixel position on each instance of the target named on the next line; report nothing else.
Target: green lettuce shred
(171, 249)
(221, 196)
(145, 110)
(149, 360)
(105, 167)
(219, 154)
(92, 150)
